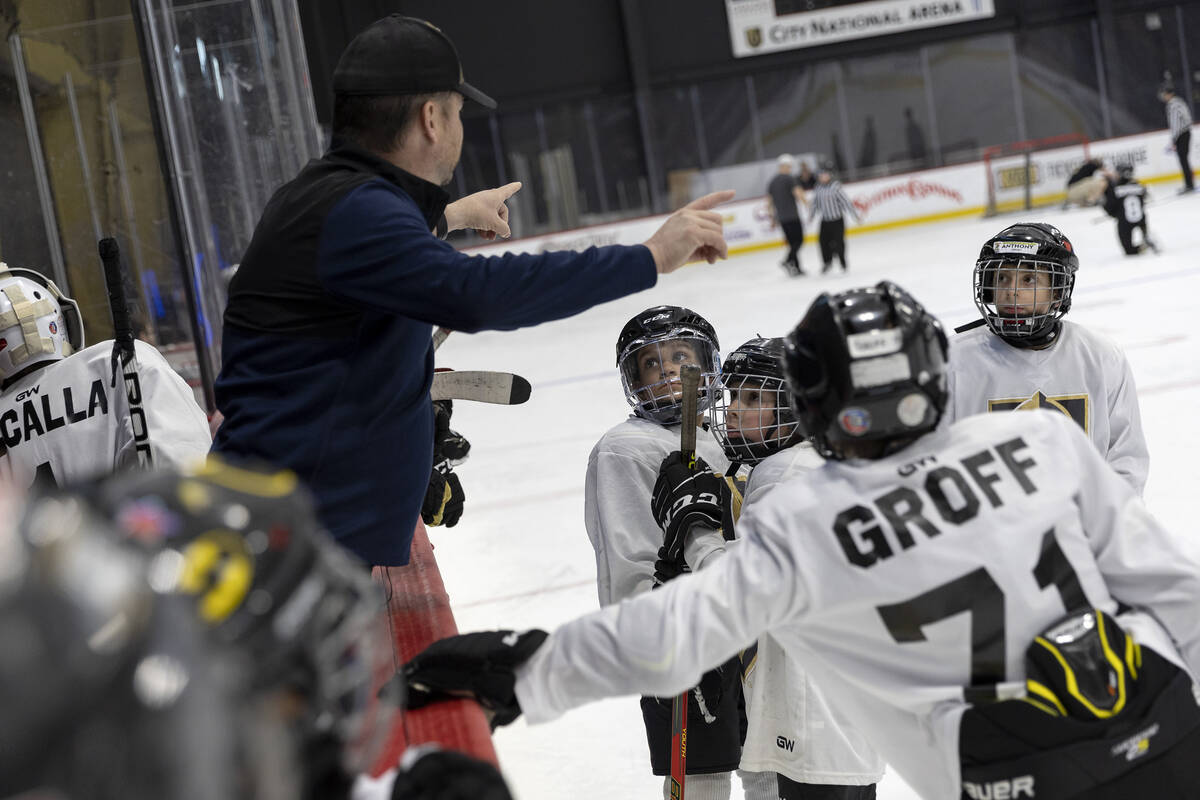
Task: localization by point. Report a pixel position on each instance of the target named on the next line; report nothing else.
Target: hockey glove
(478, 665)
(428, 773)
(444, 498)
(666, 569)
(683, 498)
(448, 446)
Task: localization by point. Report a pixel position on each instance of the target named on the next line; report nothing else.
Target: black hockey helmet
(269, 582)
(651, 348)
(866, 366)
(1125, 170)
(752, 416)
(1041, 254)
(109, 688)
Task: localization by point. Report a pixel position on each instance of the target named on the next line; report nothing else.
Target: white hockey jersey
(1083, 375)
(68, 422)
(791, 728)
(621, 472)
(899, 582)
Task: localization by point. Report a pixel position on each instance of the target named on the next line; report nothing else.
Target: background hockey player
(64, 414)
(791, 729)
(1125, 201)
(1086, 185)
(953, 591)
(276, 590)
(621, 473)
(326, 351)
(1023, 355)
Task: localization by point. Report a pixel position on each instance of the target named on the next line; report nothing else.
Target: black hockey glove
(448, 446)
(683, 498)
(444, 498)
(428, 773)
(666, 569)
(479, 665)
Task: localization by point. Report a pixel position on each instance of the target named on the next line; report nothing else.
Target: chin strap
(1044, 339)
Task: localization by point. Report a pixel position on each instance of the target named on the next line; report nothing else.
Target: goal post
(1023, 175)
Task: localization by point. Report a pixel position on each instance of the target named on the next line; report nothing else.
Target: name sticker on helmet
(880, 371)
(1015, 247)
(875, 343)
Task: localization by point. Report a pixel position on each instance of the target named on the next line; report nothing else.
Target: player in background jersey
(1023, 355)
(622, 469)
(64, 417)
(1125, 201)
(274, 589)
(791, 729)
(953, 591)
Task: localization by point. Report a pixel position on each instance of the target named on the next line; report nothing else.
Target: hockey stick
(690, 374)
(123, 349)
(439, 336)
(484, 386)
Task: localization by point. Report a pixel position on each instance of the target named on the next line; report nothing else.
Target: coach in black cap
(327, 357)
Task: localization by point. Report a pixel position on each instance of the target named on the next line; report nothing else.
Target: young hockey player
(64, 413)
(1125, 201)
(953, 591)
(1029, 357)
(821, 755)
(622, 469)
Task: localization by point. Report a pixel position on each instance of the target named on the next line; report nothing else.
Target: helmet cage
(347, 641)
(660, 400)
(1024, 320)
(752, 417)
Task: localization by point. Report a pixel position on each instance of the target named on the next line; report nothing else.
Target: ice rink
(520, 557)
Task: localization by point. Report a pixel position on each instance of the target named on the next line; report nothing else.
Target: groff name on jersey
(41, 413)
(903, 507)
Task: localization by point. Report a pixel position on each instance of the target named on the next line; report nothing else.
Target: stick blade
(501, 388)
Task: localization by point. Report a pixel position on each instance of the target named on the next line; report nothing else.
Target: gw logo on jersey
(1074, 406)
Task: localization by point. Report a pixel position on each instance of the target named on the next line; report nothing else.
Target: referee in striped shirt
(830, 201)
(1179, 120)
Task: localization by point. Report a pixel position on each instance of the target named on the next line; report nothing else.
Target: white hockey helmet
(37, 322)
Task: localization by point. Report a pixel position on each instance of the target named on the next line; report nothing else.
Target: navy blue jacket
(327, 357)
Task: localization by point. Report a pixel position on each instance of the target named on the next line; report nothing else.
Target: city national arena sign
(765, 26)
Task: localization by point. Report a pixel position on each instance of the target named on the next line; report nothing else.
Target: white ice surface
(520, 557)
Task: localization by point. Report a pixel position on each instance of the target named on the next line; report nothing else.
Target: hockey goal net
(1024, 175)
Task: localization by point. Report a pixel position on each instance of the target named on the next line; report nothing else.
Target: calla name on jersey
(40, 413)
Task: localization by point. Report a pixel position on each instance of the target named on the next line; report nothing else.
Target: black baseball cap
(402, 55)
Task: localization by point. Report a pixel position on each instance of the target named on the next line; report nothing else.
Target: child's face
(751, 413)
(1023, 292)
(661, 362)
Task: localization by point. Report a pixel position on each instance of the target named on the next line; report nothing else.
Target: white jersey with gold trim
(1083, 375)
(621, 472)
(899, 582)
(66, 421)
(791, 728)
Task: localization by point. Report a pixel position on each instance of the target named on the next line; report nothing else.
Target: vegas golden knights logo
(1074, 406)
(754, 36)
